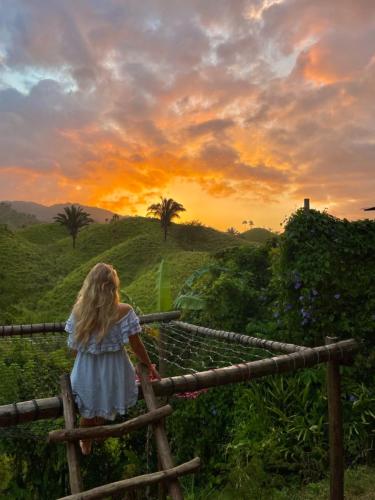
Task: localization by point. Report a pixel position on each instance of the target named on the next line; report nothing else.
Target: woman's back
(116, 337)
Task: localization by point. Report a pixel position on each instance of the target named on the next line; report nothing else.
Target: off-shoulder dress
(103, 377)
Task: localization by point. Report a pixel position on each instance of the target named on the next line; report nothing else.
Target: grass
(359, 485)
(26, 273)
(43, 234)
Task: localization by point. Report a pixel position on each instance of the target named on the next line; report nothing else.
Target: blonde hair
(96, 304)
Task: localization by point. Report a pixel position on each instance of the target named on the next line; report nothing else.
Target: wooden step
(162, 444)
(106, 431)
(135, 482)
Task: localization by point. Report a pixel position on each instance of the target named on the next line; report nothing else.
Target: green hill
(43, 234)
(45, 272)
(257, 235)
(25, 273)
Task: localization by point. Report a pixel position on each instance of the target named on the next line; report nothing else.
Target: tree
(73, 219)
(233, 230)
(249, 222)
(115, 218)
(166, 210)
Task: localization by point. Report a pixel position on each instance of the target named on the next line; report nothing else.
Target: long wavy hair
(96, 306)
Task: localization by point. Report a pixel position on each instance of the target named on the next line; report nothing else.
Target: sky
(236, 109)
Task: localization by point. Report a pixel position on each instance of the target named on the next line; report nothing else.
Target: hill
(257, 235)
(26, 274)
(13, 218)
(44, 273)
(46, 213)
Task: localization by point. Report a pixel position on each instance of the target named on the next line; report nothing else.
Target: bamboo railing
(8, 330)
(340, 352)
(239, 338)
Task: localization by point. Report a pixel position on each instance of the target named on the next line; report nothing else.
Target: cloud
(115, 101)
(214, 126)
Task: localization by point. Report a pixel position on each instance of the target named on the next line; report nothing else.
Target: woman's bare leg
(86, 444)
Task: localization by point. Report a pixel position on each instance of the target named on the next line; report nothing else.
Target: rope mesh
(31, 365)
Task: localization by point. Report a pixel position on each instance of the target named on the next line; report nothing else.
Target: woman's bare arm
(140, 351)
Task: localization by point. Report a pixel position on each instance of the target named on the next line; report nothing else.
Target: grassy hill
(257, 235)
(25, 273)
(45, 272)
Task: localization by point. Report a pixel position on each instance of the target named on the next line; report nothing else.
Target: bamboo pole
(9, 330)
(106, 431)
(71, 448)
(239, 338)
(284, 363)
(129, 484)
(336, 446)
(164, 452)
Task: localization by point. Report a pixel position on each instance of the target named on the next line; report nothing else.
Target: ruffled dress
(103, 377)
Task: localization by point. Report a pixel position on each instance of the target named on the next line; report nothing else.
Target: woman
(103, 378)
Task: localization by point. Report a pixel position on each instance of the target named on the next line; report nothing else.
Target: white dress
(103, 377)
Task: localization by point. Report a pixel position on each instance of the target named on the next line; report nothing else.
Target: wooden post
(71, 448)
(162, 444)
(336, 451)
(306, 204)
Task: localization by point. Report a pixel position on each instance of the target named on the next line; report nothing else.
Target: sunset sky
(236, 109)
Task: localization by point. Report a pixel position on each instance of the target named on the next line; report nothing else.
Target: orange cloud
(197, 99)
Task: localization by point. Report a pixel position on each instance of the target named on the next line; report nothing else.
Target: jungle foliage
(257, 440)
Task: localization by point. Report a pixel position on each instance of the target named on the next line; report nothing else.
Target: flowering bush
(324, 277)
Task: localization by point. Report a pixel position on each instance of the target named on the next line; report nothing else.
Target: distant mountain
(45, 214)
(257, 234)
(15, 219)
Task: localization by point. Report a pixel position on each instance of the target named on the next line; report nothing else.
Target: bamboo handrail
(240, 338)
(26, 411)
(9, 330)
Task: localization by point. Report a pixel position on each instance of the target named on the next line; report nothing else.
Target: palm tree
(166, 210)
(250, 222)
(233, 230)
(115, 218)
(73, 219)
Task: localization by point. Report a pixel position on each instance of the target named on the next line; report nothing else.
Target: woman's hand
(153, 373)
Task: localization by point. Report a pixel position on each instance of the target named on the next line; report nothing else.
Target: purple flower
(297, 285)
(337, 296)
(305, 313)
(288, 307)
(300, 298)
(314, 292)
(352, 397)
(275, 314)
